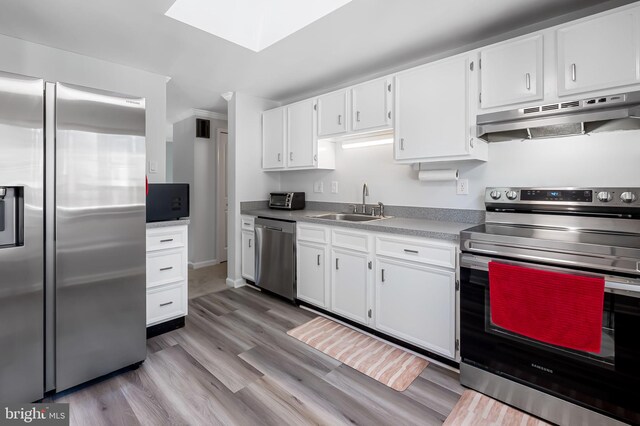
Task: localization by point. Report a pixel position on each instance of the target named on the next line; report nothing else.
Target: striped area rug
(476, 409)
(385, 363)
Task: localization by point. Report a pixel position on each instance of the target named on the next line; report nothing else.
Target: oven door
(607, 382)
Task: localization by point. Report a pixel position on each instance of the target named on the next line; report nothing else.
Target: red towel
(559, 309)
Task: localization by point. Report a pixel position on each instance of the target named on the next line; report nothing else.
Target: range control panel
(603, 197)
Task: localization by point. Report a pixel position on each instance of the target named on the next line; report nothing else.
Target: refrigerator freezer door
(100, 233)
(21, 265)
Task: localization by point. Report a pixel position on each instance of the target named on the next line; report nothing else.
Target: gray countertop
(166, 223)
(426, 228)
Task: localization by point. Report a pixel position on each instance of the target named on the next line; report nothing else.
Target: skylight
(254, 24)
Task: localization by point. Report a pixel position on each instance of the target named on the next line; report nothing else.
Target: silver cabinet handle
(401, 144)
(411, 251)
(358, 116)
(340, 119)
(382, 275)
(337, 263)
(249, 242)
(291, 156)
(318, 260)
(528, 81)
(166, 304)
(168, 240)
(279, 157)
(573, 72)
(168, 268)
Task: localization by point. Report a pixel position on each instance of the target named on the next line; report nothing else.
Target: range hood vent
(603, 113)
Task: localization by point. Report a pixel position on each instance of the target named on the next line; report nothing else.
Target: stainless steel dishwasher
(276, 256)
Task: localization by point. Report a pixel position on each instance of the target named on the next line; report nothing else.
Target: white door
(332, 114)
(417, 304)
(222, 196)
(248, 255)
(371, 105)
(512, 72)
(273, 138)
(301, 134)
(431, 114)
(312, 273)
(349, 282)
(599, 53)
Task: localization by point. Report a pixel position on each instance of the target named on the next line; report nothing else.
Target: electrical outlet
(318, 186)
(462, 187)
(334, 187)
(153, 167)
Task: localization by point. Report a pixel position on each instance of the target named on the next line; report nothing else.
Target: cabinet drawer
(166, 303)
(248, 222)
(352, 240)
(423, 251)
(313, 234)
(165, 238)
(166, 267)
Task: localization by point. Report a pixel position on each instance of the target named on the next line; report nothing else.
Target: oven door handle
(612, 284)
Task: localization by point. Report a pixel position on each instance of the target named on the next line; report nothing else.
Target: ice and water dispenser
(11, 216)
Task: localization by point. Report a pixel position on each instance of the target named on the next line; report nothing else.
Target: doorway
(222, 196)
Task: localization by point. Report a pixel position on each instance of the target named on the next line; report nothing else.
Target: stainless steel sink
(349, 217)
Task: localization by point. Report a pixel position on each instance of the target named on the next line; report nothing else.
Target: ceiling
(363, 38)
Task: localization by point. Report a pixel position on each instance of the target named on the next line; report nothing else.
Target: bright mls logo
(35, 414)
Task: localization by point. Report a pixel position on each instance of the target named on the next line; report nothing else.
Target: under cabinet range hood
(576, 117)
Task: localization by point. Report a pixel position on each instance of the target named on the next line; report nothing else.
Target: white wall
(246, 180)
(604, 159)
(194, 162)
(22, 57)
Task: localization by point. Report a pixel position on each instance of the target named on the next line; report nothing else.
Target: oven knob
(512, 195)
(495, 195)
(628, 197)
(605, 196)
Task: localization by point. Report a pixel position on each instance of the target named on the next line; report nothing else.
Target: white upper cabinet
(512, 72)
(432, 113)
(371, 105)
(599, 53)
(273, 138)
(301, 134)
(332, 114)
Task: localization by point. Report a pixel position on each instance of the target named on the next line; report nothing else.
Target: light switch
(153, 166)
(334, 187)
(318, 186)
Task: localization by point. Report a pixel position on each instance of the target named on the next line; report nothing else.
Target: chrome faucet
(365, 193)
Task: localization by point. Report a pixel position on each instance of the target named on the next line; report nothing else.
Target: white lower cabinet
(416, 300)
(167, 283)
(416, 303)
(312, 273)
(349, 282)
(248, 249)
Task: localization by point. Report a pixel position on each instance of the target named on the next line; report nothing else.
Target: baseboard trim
(240, 282)
(204, 264)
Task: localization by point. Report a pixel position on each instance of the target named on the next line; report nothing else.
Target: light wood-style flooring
(234, 364)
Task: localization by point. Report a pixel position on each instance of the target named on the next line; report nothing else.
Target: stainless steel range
(588, 232)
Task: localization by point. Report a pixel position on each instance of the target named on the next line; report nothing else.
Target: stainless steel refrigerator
(72, 235)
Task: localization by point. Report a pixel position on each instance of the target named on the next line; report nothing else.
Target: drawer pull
(166, 304)
(318, 260)
(337, 264)
(249, 242)
(168, 268)
(411, 251)
(168, 240)
(383, 275)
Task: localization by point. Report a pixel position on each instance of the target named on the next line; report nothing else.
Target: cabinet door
(370, 105)
(332, 114)
(248, 255)
(431, 114)
(599, 53)
(417, 304)
(512, 72)
(301, 134)
(312, 273)
(273, 142)
(349, 280)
